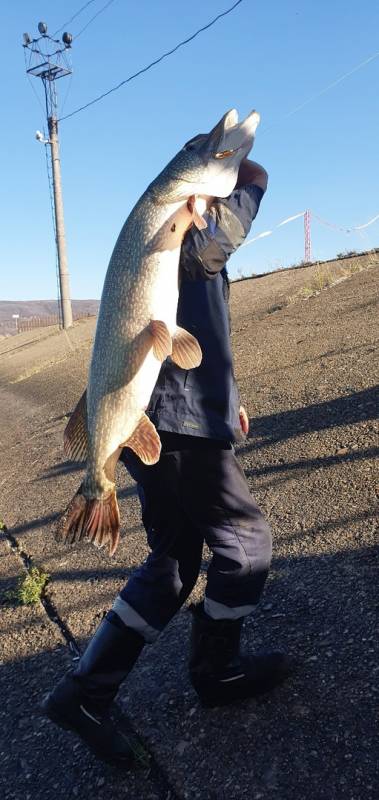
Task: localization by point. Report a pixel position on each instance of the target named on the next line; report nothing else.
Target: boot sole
(50, 711)
(237, 696)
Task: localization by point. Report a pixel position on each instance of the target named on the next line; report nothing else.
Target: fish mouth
(229, 136)
(208, 164)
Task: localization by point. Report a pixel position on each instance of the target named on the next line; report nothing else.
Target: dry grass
(325, 276)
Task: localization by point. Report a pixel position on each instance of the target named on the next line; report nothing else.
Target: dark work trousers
(196, 492)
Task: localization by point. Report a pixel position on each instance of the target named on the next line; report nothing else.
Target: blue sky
(271, 56)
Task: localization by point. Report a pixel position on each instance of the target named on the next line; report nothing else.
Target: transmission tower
(307, 237)
(48, 60)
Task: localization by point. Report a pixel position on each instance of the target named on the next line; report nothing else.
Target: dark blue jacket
(205, 401)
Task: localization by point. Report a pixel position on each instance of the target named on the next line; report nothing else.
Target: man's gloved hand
(252, 172)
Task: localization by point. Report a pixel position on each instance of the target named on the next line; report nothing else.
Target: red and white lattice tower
(307, 237)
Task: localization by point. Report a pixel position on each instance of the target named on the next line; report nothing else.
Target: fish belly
(117, 404)
(165, 292)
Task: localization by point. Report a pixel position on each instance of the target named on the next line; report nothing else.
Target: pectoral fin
(186, 351)
(162, 344)
(75, 437)
(145, 441)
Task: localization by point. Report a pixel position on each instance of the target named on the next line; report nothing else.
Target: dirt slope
(307, 370)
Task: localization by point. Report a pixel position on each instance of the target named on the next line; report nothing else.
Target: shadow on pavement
(346, 410)
(332, 524)
(306, 464)
(327, 354)
(312, 733)
(41, 762)
(38, 522)
(67, 467)
(64, 468)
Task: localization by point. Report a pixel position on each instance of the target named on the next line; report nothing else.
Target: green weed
(29, 588)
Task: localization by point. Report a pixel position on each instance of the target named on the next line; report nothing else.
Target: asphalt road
(307, 370)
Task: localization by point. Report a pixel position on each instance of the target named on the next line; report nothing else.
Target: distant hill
(39, 308)
(305, 277)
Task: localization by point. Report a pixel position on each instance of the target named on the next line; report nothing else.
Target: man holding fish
(163, 398)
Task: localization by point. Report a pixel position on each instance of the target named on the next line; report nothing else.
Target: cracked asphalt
(307, 371)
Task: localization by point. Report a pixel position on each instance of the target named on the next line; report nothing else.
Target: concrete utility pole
(49, 66)
(64, 278)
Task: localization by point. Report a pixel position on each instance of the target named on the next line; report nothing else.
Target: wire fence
(24, 324)
(36, 322)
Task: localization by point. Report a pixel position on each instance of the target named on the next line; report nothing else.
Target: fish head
(208, 164)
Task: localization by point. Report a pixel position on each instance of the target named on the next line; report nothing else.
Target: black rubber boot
(81, 700)
(219, 673)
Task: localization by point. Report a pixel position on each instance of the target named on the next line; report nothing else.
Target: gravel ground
(306, 370)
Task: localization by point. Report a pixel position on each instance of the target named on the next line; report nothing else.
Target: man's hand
(251, 172)
(244, 421)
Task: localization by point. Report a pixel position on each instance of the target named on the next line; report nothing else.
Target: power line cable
(100, 11)
(345, 230)
(74, 17)
(359, 227)
(32, 84)
(104, 8)
(323, 91)
(352, 229)
(153, 63)
(68, 91)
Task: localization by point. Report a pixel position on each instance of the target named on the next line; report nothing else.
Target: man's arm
(205, 252)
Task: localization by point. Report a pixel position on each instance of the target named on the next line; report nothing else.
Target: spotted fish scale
(136, 328)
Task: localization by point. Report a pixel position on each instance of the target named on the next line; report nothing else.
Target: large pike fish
(136, 328)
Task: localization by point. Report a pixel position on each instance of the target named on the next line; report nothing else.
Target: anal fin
(145, 441)
(75, 437)
(186, 351)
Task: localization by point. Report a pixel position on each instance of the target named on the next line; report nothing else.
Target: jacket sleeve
(204, 253)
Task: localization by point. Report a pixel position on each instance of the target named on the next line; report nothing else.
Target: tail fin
(96, 520)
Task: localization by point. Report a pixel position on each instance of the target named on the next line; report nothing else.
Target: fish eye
(191, 144)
